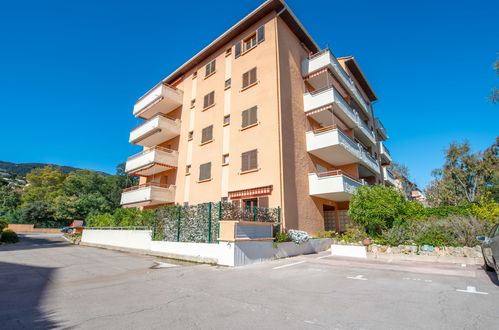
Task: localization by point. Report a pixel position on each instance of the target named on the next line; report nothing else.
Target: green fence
(200, 223)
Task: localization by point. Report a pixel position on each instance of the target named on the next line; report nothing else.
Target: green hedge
(123, 218)
(8, 236)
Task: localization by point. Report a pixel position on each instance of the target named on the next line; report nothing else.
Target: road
(47, 283)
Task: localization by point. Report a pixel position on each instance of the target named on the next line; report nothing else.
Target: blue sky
(71, 71)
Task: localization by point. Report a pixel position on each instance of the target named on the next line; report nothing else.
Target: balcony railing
(161, 99)
(388, 176)
(332, 145)
(333, 185)
(329, 96)
(151, 161)
(385, 153)
(154, 131)
(148, 194)
(325, 58)
(380, 128)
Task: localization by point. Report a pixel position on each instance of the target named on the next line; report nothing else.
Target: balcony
(389, 177)
(161, 99)
(364, 133)
(380, 129)
(328, 98)
(335, 147)
(148, 194)
(333, 185)
(152, 161)
(325, 60)
(386, 158)
(156, 130)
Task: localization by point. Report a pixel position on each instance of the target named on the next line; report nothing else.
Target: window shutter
(237, 50)
(212, 98)
(206, 100)
(252, 76)
(213, 65)
(245, 79)
(245, 121)
(244, 161)
(252, 118)
(260, 34)
(207, 69)
(209, 133)
(253, 159)
(204, 171)
(263, 201)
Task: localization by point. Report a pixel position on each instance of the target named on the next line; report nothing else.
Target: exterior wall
(231, 139)
(22, 228)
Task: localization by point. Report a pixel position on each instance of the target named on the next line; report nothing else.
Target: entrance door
(329, 218)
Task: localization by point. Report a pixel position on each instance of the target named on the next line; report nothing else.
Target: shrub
(281, 237)
(3, 224)
(377, 208)
(298, 236)
(486, 209)
(395, 236)
(123, 218)
(353, 234)
(327, 234)
(8, 236)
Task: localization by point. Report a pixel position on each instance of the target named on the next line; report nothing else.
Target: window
(195, 74)
(249, 160)
(249, 42)
(249, 77)
(209, 99)
(210, 68)
(205, 171)
(207, 134)
(193, 103)
(226, 120)
(227, 83)
(191, 135)
(228, 51)
(225, 159)
(188, 169)
(249, 117)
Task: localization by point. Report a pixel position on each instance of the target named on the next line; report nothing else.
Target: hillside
(22, 169)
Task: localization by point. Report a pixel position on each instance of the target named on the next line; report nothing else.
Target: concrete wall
(131, 239)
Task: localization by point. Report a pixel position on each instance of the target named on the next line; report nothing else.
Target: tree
(43, 184)
(465, 176)
(377, 208)
(401, 173)
(10, 200)
(40, 214)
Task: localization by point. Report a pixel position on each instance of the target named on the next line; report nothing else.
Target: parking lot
(48, 283)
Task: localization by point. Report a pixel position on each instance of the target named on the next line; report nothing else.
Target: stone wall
(446, 251)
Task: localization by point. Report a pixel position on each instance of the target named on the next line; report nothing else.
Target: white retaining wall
(224, 253)
(131, 239)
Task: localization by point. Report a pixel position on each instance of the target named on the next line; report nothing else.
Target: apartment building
(261, 117)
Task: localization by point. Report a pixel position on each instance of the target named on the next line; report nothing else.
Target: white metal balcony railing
(385, 153)
(152, 161)
(154, 131)
(161, 99)
(380, 128)
(319, 99)
(388, 176)
(148, 194)
(335, 147)
(333, 185)
(326, 59)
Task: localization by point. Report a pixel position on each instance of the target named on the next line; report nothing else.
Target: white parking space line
(416, 279)
(358, 277)
(289, 265)
(471, 289)
(159, 264)
(327, 256)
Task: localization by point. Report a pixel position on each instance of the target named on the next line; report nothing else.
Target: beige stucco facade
(294, 154)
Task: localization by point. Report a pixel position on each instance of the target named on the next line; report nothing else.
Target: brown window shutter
(245, 121)
(204, 171)
(237, 50)
(209, 133)
(263, 201)
(253, 159)
(252, 117)
(206, 100)
(244, 161)
(260, 34)
(252, 76)
(212, 98)
(245, 79)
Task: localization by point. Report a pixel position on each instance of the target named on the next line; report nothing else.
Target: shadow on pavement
(21, 296)
(492, 275)
(35, 241)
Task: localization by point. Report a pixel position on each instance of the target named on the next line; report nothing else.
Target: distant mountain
(22, 169)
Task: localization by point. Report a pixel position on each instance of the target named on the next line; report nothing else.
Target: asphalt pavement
(47, 283)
